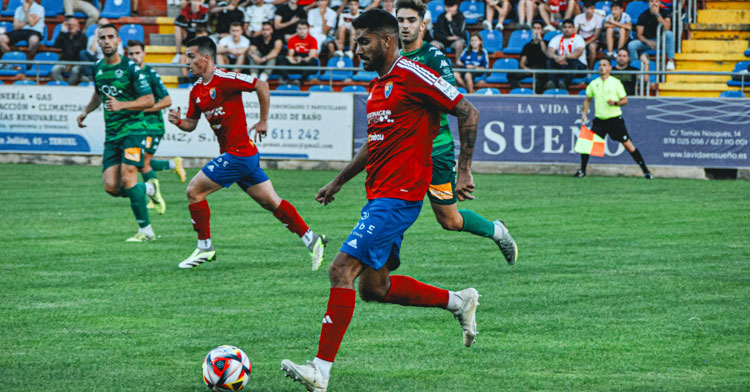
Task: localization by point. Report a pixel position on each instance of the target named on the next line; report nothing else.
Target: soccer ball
(226, 368)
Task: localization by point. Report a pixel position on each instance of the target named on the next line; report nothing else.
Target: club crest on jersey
(118, 73)
(388, 89)
(212, 93)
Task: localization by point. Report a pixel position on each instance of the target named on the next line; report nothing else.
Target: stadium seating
(473, 11)
(114, 9)
(436, 8)
(364, 76)
(550, 34)
(41, 42)
(55, 33)
(651, 66)
(741, 66)
(604, 6)
(461, 90)
(338, 62)
(57, 83)
(316, 75)
(556, 91)
(502, 77)
(131, 31)
(518, 39)
(492, 40)
(590, 77)
(635, 9)
(85, 84)
(287, 87)
(43, 69)
(582, 92)
(1, 82)
(184, 85)
(521, 91)
(354, 88)
(24, 82)
(747, 52)
(488, 91)
(7, 69)
(10, 10)
(732, 94)
(52, 7)
(91, 30)
(322, 88)
(7, 26)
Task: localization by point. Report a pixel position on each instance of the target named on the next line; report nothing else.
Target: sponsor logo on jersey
(133, 154)
(375, 137)
(446, 88)
(379, 117)
(353, 243)
(214, 112)
(442, 191)
(212, 93)
(388, 89)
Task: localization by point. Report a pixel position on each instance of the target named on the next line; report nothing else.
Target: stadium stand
(502, 77)
(436, 8)
(115, 9)
(461, 90)
(517, 40)
(12, 69)
(338, 62)
(354, 88)
(492, 41)
(488, 91)
(42, 69)
(741, 66)
(10, 9)
(55, 33)
(131, 31)
(85, 84)
(550, 34)
(604, 6)
(323, 88)
(747, 52)
(732, 94)
(556, 91)
(521, 91)
(91, 30)
(24, 82)
(582, 92)
(184, 85)
(473, 11)
(52, 7)
(635, 9)
(287, 87)
(57, 83)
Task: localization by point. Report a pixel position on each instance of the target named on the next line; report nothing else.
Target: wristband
(179, 121)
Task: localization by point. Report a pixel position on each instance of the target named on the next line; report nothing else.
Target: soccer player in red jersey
(218, 96)
(403, 117)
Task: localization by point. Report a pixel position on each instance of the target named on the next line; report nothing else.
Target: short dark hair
(536, 22)
(135, 42)
(451, 3)
(416, 5)
(235, 23)
(589, 3)
(205, 46)
(607, 59)
(110, 26)
(268, 22)
(625, 49)
(377, 20)
(303, 22)
(567, 21)
(617, 3)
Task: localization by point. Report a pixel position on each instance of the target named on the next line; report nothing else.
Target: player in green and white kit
(447, 187)
(123, 88)
(154, 120)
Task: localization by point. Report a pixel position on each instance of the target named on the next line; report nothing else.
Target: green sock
(123, 192)
(159, 165)
(137, 196)
(148, 176)
(476, 224)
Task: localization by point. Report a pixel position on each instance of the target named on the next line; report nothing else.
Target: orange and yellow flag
(589, 143)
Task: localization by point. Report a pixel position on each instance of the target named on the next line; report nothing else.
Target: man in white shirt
(345, 29)
(589, 26)
(322, 20)
(617, 23)
(566, 51)
(255, 15)
(232, 49)
(28, 25)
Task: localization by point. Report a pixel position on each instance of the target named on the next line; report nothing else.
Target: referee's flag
(589, 143)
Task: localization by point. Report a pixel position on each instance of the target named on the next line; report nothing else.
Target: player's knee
(368, 293)
(112, 189)
(449, 222)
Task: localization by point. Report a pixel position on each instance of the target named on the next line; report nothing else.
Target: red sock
(201, 217)
(411, 292)
(337, 318)
(289, 216)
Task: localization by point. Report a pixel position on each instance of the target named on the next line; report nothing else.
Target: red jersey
(220, 100)
(403, 117)
(302, 47)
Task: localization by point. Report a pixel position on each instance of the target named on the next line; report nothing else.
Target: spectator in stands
(302, 50)
(501, 7)
(619, 24)
(473, 57)
(227, 12)
(233, 48)
(589, 27)
(450, 28)
(533, 56)
(264, 50)
(192, 15)
(646, 29)
(71, 42)
(93, 51)
(286, 19)
(526, 11)
(72, 6)
(623, 64)
(566, 51)
(322, 20)
(366, 5)
(552, 11)
(28, 25)
(255, 15)
(390, 6)
(345, 30)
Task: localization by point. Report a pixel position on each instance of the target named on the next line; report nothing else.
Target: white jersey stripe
(419, 75)
(419, 69)
(424, 75)
(223, 74)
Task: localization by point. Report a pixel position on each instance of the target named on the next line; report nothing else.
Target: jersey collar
(392, 66)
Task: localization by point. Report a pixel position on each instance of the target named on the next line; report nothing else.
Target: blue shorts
(376, 239)
(226, 169)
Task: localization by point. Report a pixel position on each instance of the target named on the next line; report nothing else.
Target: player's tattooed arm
(94, 103)
(468, 120)
(325, 194)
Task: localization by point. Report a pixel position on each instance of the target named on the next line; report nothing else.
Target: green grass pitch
(622, 284)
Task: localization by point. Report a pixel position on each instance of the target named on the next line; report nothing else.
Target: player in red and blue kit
(218, 96)
(403, 118)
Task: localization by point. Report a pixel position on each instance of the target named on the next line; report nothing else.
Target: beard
(375, 60)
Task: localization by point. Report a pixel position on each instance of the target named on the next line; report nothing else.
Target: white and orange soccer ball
(226, 368)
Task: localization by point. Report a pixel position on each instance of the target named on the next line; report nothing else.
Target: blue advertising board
(698, 132)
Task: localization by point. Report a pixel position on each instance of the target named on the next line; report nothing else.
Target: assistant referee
(609, 94)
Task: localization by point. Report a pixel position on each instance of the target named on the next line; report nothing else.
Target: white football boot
(466, 314)
(308, 375)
